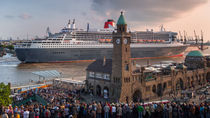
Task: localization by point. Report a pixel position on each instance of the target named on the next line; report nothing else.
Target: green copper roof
(180, 66)
(121, 20)
(195, 53)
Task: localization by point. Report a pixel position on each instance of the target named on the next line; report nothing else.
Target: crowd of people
(63, 103)
(51, 95)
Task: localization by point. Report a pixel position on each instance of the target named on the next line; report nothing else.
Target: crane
(196, 37)
(202, 40)
(181, 38)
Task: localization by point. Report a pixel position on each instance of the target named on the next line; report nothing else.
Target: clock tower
(121, 62)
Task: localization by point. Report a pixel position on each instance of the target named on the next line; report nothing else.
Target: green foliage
(11, 47)
(3, 46)
(5, 100)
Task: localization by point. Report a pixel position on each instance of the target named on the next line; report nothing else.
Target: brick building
(120, 80)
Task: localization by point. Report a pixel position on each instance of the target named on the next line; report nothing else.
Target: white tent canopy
(48, 74)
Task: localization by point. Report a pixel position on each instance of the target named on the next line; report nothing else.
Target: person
(106, 111)
(119, 111)
(114, 110)
(202, 111)
(140, 110)
(152, 110)
(93, 110)
(47, 113)
(1, 108)
(36, 113)
(147, 112)
(98, 110)
(26, 113)
(17, 115)
(66, 112)
(4, 115)
(32, 113)
(10, 111)
(74, 112)
(169, 110)
(192, 111)
(208, 111)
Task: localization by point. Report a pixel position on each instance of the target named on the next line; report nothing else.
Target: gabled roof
(97, 66)
(195, 53)
(121, 20)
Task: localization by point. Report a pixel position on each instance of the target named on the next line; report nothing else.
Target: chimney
(104, 62)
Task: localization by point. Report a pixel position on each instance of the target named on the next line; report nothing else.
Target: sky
(22, 18)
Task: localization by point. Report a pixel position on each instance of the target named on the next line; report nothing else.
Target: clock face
(118, 41)
(125, 41)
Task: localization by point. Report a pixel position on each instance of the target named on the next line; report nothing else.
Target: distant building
(120, 80)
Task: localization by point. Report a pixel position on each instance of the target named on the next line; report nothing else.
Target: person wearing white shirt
(114, 110)
(26, 113)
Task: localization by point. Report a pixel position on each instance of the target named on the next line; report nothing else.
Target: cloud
(146, 11)
(84, 13)
(25, 16)
(9, 16)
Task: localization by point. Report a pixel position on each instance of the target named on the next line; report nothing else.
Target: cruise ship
(73, 44)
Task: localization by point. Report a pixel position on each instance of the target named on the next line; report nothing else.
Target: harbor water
(17, 73)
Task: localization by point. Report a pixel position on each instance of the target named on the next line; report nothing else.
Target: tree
(11, 47)
(5, 100)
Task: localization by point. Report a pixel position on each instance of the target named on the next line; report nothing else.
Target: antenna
(201, 35)
(48, 31)
(202, 40)
(162, 28)
(73, 21)
(88, 27)
(69, 24)
(123, 11)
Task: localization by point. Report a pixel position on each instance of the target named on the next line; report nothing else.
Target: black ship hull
(30, 55)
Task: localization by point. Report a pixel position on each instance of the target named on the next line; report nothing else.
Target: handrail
(34, 97)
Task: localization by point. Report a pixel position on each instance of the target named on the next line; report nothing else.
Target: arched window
(154, 88)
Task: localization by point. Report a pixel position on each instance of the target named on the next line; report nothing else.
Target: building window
(91, 74)
(127, 67)
(164, 85)
(169, 83)
(154, 88)
(106, 76)
(127, 79)
(99, 75)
